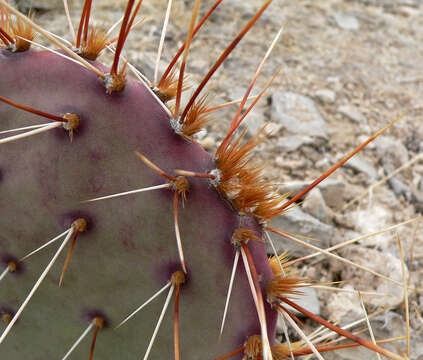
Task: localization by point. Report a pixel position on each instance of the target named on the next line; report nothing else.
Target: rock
(388, 325)
(315, 205)
(335, 83)
(293, 142)
(325, 96)
(202, 134)
(254, 121)
(392, 4)
(308, 300)
(418, 178)
(417, 200)
(382, 262)
(372, 219)
(290, 164)
(247, 10)
(352, 113)
(323, 163)
(393, 154)
(208, 143)
(273, 129)
(346, 22)
(297, 114)
(391, 151)
(392, 324)
(361, 352)
(354, 353)
(359, 164)
(401, 189)
(344, 307)
(38, 5)
(297, 221)
(332, 190)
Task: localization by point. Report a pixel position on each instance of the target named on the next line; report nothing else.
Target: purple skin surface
(129, 249)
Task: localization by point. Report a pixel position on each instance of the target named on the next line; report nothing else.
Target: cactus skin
(129, 250)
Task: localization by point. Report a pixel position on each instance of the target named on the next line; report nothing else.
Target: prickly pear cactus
(128, 249)
(146, 216)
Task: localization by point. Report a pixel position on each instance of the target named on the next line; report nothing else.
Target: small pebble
(325, 96)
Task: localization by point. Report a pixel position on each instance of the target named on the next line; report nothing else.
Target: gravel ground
(348, 68)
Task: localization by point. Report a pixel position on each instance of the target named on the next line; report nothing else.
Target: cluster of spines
(16, 36)
(240, 182)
